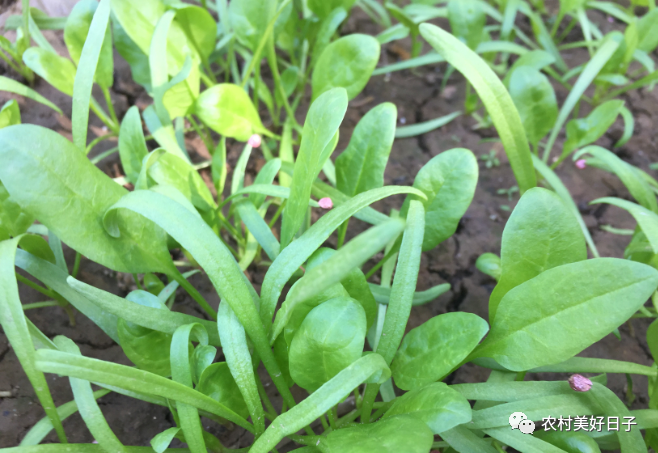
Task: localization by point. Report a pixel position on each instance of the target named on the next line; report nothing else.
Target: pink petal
(326, 203)
(254, 141)
(581, 163)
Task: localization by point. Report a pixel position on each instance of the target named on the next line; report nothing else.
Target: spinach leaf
(57, 71)
(583, 131)
(330, 339)
(132, 147)
(557, 314)
(13, 220)
(429, 352)
(467, 20)
(361, 166)
(540, 234)
(217, 382)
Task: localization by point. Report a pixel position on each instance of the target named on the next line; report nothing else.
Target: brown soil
(418, 98)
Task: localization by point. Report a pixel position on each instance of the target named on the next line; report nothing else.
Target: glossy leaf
(535, 326)
(10, 114)
(330, 339)
(39, 159)
(361, 166)
(437, 405)
(583, 131)
(347, 63)
(429, 352)
(57, 71)
(467, 20)
(321, 126)
(75, 34)
(448, 180)
(535, 100)
(199, 27)
(539, 235)
(13, 220)
(227, 109)
(249, 19)
(395, 434)
(132, 147)
(357, 287)
(647, 31)
(489, 263)
(217, 382)
(328, 27)
(494, 96)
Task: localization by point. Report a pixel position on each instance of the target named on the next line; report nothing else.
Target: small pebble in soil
(579, 383)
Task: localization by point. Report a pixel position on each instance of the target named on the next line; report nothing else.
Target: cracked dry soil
(418, 97)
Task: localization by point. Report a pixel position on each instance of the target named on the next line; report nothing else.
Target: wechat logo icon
(518, 420)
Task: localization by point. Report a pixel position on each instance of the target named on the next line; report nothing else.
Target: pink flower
(254, 141)
(581, 163)
(611, 19)
(579, 383)
(326, 203)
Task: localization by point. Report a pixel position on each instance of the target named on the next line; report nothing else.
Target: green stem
(271, 58)
(342, 230)
(103, 155)
(76, 264)
(368, 401)
(97, 140)
(100, 113)
(48, 303)
(206, 139)
(192, 291)
(137, 282)
(110, 106)
(10, 63)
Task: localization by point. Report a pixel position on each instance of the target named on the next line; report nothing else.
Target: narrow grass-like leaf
(151, 318)
(646, 219)
(130, 378)
(82, 448)
(87, 405)
(494, 96)
(589, 73)
(631, 439)
(238, 358)
(218, 262)
(297, 253)
(322, 400)
(84, 76)
(512, 391)
(132, 147)
(258, 228)
(351, 255)
(42, 428)
(522, 442)
(580, 365)
(13, 323)
(321, 125)
(383, 295)
(265, 176)
(559, 188)
(182, 374)
(629, 126)
(425, 127)
(268, 190)
(463, 439)
(12, 86)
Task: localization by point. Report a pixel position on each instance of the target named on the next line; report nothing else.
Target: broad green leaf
(15, 328)
(348, 63)
(467, 20)
(536, 59)
(383, 295)
(327, 30)
(227, 109)
(440, 407)
(429, 352)
(591, 70)
(132, 147)
(330, 339)
(323, 399)
(639, 188)
(321, 126)
(646, 219)
(12, 86)
(583, 131)
(40, 157)
(249, 19)
(138, 20)
(448, 180)
(494, 96)
(647, 30)
(357, 287)
(161, 441)
(147, 316)
(392, 435)
(199, 27)
(239, 361)
(13, 220)
(37, 246)
(539, 235)
(350, 256)
(217, 382)
(298, 252)
(489, 263)
(535, 100)
(570, 442)
(10, 114)
(134, 56)
(323, 9)
(87, 405)
(212, 255)
(75, 34)
(361, 166)
(536, 326)
(57, 71)
(146, 348)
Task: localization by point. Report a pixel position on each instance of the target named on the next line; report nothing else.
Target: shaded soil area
(418, 97)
